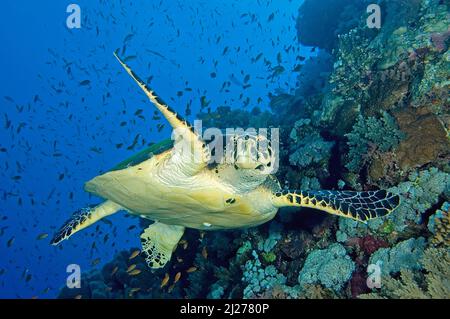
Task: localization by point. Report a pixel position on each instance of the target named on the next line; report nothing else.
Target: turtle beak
(247, 154)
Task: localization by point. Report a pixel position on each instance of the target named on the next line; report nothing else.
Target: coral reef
(439, 225)
(309, 153)
(404, 255)
(425, 141)
(331, 267)
(260, 279)
(433, 282)
(370, 135)
(418, 194)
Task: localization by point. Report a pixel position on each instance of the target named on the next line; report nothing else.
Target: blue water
(59, 134)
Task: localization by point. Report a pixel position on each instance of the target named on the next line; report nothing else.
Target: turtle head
(251, 151)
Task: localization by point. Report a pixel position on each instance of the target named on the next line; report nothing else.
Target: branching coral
(433, 283)
(419, 194)
(404, 255)
(370, 135)
(439, 225)
(310, 147)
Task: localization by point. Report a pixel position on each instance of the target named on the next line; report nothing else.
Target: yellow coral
(442, 230)
(433, 283)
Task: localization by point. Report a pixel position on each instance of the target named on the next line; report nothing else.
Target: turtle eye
(260, 167)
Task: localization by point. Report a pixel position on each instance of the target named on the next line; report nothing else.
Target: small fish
(165, 280)
(134, 272)
(128, 37)
(85, 82)
(95, 262)
(277, 70)
(133, 290)
(129, 58)
(11, 241)
(131, 268)
(160, 127)
(78, 297)
(42, 236)
(177, 277)
(8, 98)
(191, 269)
(205, 253)
(134, 254)
(279, 59)
(298, 68)
(114, 270)
(257, 57)
(171, 288)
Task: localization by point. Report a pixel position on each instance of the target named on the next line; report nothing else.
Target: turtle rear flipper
(84, 218)
(360, 206)
(159, 241)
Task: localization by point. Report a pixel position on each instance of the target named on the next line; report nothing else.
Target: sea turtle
(174, 184)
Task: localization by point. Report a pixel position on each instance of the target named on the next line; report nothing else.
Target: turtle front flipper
(159, 241)
(191, 153)
(360, 206)
(84, 218)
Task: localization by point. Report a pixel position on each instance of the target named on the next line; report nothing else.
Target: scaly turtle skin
(173, 184)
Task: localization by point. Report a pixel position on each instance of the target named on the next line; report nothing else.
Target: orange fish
(205, 253)
(165, 280)
(131, 267)
(184, 243)
(134, 254)
(42, 236)
(171, 288)
(177, 277)
(191, 269)
(135, 272)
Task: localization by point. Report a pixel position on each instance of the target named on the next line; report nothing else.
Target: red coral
(358, 284)
(368, 244)
(371, 244)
